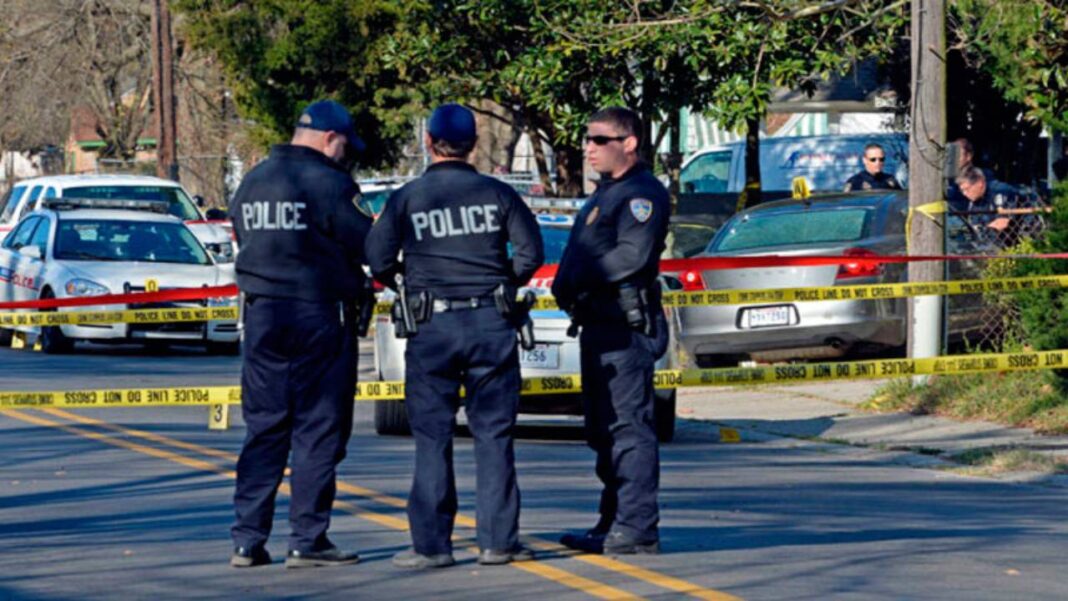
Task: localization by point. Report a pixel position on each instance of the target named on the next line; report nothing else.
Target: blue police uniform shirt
(998, 195)
(298, 229)
(617, 238)
(454, 227)
(867, 181)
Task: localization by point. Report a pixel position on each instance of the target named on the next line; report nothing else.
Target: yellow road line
(558, 575)
(607, 563)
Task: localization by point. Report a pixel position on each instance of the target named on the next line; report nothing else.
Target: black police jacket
(867, 181)
(298, 229)
(617, 239)
(454, 227)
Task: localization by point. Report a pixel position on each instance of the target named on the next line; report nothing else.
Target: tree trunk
(539, 158)
(674, 156)
(927, 141)
(569, 167)
(752, 193)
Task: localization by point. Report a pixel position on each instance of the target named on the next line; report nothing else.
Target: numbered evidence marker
(151, 285)
(219, 416)
(729, 435)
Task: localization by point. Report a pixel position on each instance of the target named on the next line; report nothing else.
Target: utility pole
(927, 145)
(163, 91)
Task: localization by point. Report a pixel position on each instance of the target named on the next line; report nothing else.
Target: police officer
(873, 177)
(607, 281)
(301, 240)
(453, 227)
(981, 200)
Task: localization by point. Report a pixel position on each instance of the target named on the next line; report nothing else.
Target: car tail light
(692, 280)
(859, 270)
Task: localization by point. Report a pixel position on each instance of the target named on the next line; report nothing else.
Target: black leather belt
(444, 305)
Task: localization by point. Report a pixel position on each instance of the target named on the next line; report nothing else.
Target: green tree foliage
(279, 55)
(1023, 45)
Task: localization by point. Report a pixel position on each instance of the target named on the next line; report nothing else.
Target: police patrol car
(89, 247)
(28, 195)
(555, 354)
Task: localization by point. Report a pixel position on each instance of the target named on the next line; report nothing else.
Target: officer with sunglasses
(607, 282)
(873, 177)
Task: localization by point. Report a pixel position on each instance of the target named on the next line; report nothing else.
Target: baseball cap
(328, 115)
(452, 123)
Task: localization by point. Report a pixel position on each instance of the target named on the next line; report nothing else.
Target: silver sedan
(861, 225)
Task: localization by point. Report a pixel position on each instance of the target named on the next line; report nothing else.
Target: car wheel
(229, 349)
(5, 337)
(391, 418)
(664, 414)
(53, 342)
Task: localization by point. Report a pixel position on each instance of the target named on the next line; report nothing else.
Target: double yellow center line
(561, 576)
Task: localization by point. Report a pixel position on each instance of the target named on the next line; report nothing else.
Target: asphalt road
(135, 504)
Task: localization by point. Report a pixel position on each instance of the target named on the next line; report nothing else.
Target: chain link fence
(996, 316)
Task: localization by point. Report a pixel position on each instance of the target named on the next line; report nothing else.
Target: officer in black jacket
(873, 177)
(607, 281)
(301, 239)
(453, 227)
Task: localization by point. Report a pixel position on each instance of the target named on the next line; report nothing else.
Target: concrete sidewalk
(827, 412)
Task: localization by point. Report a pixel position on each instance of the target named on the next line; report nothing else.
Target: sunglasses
(875, 159)
(602, 140)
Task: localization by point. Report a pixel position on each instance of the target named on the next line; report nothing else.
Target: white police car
(72, 248)
(555, 353)
(28, 195)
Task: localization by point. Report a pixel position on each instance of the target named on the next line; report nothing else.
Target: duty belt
(444, 305)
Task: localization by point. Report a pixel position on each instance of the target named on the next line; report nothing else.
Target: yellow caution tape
(764, 374)
(860, 292)
(930, 210)
(671, 299)
(57, 318)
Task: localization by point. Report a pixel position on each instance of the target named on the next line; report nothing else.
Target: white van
(28, 195)
(712, 179)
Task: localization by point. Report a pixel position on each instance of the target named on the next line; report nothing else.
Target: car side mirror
(32, 251)
(199, 200)
(215, 214)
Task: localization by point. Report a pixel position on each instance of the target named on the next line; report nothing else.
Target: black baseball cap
(452, 123)
(328, 115)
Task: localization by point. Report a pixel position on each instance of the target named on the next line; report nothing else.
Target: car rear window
(793, 228)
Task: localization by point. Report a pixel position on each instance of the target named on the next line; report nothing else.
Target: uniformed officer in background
(607, 282)
(301, 238)
(873, 177)
(453, 227)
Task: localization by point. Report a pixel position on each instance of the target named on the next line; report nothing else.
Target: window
(14, 212)
(112, 240)
(708, 173)
(40, 235)
(793, 228)
(554, 239)
(178, 203)
(22, 234)
(10, 202)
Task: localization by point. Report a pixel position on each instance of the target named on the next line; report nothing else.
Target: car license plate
(764, 317)
(542, 356)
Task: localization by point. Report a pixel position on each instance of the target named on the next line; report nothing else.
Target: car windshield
(178, 204)
(761, 230)
(150, 242)
(554, 239)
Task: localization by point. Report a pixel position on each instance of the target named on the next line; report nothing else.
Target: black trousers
(617, 385)
(475, 348)
(298, 381)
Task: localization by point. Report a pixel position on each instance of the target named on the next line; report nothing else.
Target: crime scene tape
(671, 299)
(704, 298)
(666, 266)
(765, 374)
(56, 318)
